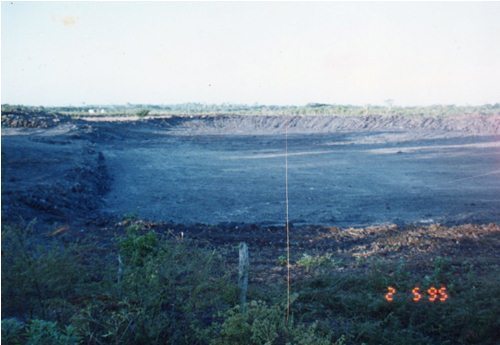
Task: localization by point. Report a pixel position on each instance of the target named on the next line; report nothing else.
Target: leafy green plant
(282, 260)
(266, 324)
(38, 278)
(143, 112)
(310, 262)
(168, 292)
(37, 332)
(137, 248)
(356, 303)
(42, 332)
(441, 267)
(12, 331)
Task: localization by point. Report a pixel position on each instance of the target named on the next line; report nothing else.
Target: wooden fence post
(120, 269)
(243, 267)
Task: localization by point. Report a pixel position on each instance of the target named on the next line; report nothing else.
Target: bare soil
(57, 171)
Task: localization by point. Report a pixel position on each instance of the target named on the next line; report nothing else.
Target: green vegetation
(470, 316)
(143, 112)
(188, 109)
(264, 324)
(37, 332)
(151, 289)
(310, 262)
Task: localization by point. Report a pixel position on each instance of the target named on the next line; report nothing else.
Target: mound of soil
(51, 180)
(253, 125)
(32, 118)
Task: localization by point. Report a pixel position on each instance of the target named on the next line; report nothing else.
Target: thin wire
(475, 176)
(287, 226)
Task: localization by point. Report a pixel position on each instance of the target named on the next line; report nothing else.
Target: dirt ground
(350, 249)
(59, 173)
(62, 171)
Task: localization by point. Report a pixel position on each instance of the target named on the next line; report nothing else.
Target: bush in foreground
(148, 289)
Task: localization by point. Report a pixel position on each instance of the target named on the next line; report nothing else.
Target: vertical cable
(287, 226)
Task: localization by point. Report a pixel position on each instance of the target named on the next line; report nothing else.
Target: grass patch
(149, 289)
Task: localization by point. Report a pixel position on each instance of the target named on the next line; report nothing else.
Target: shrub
(38, 277)
(282, 260)
(266, 324)
(175, 292)
(42, 332)
(168, 293)
(310, 262)
(12, 331)
(355, 305)
(142, 113)
(37, 332)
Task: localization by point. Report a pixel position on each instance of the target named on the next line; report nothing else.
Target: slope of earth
(344, 171)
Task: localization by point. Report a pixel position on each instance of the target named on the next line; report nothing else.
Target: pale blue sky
(268, 53)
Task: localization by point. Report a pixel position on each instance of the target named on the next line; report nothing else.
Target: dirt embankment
(476, 124)
(51, 178)
(59, 173)
(24, 118)
(252, 125)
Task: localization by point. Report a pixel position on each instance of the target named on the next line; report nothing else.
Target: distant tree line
(256, 109)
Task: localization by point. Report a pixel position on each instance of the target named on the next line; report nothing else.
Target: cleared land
(344, 171)
(366, 193)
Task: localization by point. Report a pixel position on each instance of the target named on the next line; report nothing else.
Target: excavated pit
(343, 171)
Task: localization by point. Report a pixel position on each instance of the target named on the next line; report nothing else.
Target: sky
(61, 53)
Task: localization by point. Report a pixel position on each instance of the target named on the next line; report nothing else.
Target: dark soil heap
(22, 117)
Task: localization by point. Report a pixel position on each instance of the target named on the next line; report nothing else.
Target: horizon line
(317, 104)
